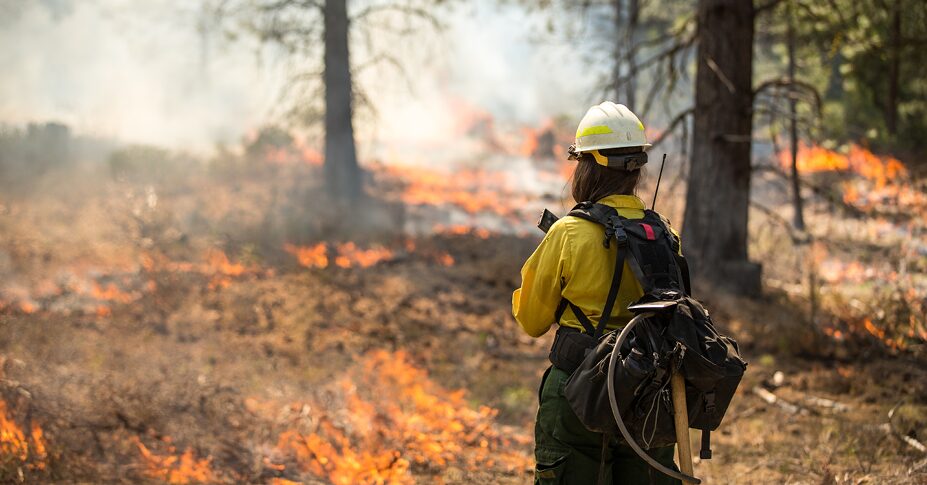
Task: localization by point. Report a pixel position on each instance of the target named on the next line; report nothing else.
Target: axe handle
(681, 419)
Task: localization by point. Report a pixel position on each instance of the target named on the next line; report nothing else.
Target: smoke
(159, 72)
(137, 72)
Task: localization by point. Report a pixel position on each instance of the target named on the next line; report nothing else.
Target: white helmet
(609, 125)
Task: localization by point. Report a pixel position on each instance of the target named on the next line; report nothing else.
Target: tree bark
(626, 20)
(797, 205)
(717, 202)
(342, 172)
(894, 71)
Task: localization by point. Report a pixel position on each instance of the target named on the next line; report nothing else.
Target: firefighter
(610, 151)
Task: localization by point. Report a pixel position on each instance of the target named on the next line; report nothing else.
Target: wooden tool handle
(681, 418)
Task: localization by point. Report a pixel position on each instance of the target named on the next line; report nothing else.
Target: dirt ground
(193, 358)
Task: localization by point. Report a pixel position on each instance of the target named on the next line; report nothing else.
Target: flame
(880, 170)
(396, 418)
(445, 259)
(833, 333)
(27, 306)
(462, 230)
(471, 190)
(182, 469)
(880, 334)
(529, 144)
(350, 255)
(218, 262)
(216, 265)
(110, 292)
(309, 256)
(347, 255)
(283, 481)
(296, 153)
(23, 448)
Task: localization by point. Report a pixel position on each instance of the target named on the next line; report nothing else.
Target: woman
(571, 265)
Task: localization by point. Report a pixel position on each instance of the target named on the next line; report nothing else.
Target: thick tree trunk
(797, 205)
(717, 202)
(342, 173)
(626, 20)
(894, 71)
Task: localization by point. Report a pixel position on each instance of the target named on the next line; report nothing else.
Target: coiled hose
(613, 401)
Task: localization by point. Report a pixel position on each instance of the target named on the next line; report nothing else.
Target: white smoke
(153, 72)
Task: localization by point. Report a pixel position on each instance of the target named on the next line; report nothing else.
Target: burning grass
(22, 448)
(397, 424)
(174, 468)
(868, 273)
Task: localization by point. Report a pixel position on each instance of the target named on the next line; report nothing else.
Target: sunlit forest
(275, 241)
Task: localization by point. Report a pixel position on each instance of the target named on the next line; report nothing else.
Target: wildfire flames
(346, 255)
(880, 179)
(876, 186)
(19, 447)
(472, 191)
(463, 230)
(396, 418)
(878, 169)
(349, 255)
(173, 468)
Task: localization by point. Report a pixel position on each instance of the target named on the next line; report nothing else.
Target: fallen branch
(827, 403)
(889, 427)
(771, 398)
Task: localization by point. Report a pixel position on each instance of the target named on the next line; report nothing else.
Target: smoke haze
(158, 73)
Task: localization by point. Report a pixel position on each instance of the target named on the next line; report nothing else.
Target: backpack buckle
(614, 229)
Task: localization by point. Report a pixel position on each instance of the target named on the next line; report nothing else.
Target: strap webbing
(684, 269)
(612, 290)
(599, 328)
(705, 452)
(603, 459)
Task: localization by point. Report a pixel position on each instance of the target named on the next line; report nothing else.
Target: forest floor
(185, 358)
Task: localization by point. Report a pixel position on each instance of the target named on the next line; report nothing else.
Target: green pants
(569, 454)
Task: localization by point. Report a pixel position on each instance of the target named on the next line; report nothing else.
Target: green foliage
(853, 45)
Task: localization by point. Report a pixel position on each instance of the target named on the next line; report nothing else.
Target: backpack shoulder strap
(612, 222)
(605, 216)
(681, 264)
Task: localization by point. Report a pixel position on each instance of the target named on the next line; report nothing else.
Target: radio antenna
(656, 190)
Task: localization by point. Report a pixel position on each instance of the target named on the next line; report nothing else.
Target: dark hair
(592, 181)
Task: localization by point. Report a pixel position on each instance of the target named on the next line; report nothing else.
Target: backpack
(670, 332)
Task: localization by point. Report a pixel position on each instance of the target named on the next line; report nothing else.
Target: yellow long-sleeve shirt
(571, 263)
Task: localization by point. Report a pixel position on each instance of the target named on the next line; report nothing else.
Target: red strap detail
(649, 230)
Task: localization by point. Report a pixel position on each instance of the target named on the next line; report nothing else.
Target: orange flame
(110, 293)
(462, 230)
(182, 469)
(878, 169)
(27, 307)
(473, 191)
(397, 416)
(347, 255)
(350, 255)
(18, 446)
(309, 256)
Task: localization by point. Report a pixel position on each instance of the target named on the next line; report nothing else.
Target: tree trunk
(894, 71)
(799, 215)
(717, 202)
(342, 173)
(626, 20)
